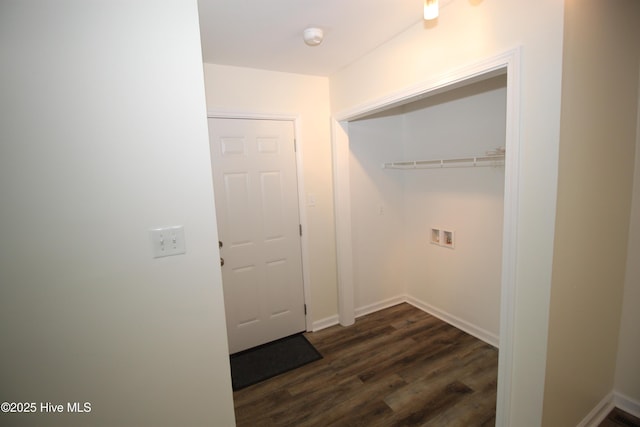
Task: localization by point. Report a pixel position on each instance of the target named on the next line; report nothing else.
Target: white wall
(377, 210)
(103, 136)
(598, 138)
(392, 253)
(468, 32)
(245, 90)
(463, 283)
(627, 380)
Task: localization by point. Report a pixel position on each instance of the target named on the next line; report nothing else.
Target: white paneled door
(254, 175)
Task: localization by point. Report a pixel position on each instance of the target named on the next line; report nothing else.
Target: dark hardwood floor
(396, 367)
(618, 418)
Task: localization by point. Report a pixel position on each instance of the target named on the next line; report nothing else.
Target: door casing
(304, 239)
(507, 63)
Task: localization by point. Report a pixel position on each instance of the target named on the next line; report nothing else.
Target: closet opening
(426, 204)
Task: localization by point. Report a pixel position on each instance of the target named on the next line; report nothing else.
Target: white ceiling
(267, 34)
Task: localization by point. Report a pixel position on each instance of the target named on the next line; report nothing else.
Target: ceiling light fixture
(430, 9)
(313, 36)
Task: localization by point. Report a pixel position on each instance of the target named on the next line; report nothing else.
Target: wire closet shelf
(490, 159)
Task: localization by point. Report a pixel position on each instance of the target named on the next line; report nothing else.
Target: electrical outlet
(168, 241)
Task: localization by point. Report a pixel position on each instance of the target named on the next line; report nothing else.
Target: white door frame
(302, 212)
(508, 63)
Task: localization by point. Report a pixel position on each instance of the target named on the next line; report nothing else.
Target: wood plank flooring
(396, 367)
(618, 418)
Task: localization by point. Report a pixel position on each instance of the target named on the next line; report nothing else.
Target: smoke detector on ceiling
(313, 36)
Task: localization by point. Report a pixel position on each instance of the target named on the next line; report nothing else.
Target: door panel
(254, 174)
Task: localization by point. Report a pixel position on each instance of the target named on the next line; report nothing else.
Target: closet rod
(464, 162)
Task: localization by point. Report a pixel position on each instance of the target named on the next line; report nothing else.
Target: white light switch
(168, 241)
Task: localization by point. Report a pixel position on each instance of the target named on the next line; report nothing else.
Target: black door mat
(268, 360)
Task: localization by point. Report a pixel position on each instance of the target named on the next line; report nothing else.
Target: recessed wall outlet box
(435, 236)
(448, 239)
(441, 237)
(167, 241)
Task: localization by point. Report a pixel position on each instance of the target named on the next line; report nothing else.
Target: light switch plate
(168, 241)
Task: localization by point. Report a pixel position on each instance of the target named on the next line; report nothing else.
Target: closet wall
(377, 210)
(393, 210)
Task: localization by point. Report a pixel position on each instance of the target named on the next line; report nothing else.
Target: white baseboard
(612, 400)
(480, 333)
(469, 328)
(372, 308)
(626, 403)
(359, 312)
(598, 413)
(325, 323)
